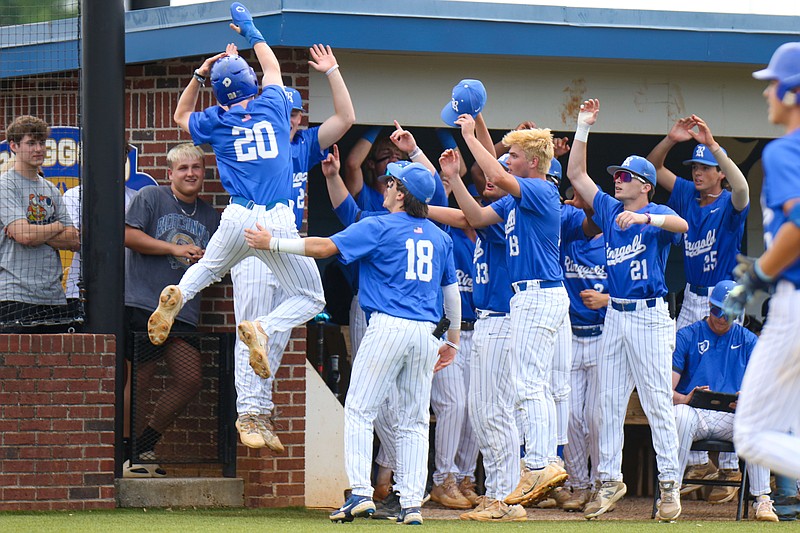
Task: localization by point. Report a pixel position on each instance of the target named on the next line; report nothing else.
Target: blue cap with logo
(555, 169)
(638, 165)
(503, 160)
(294, 98)
(720, 291)
(702, 154)
(469, 97)
(415, 177)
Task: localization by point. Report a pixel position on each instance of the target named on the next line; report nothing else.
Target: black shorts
(136, 321)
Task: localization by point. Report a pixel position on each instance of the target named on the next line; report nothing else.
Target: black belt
(520, 286)
(467, 325)
(250, 204)
(587, 331)
(698, 290)
(631, 306)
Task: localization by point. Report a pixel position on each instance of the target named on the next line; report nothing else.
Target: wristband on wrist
(656, 220)
(199, 77)
(582, 132)
(414, 153)
(330, 70)
(760, 273)
(453, 345)
(649, 220)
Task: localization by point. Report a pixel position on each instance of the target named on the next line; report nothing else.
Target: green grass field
(301, 520)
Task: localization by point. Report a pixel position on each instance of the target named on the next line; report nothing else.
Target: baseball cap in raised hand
(469, 97)
(415, 177)
(702, 154)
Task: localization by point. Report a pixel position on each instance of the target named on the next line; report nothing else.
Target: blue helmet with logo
(233, 80)
(720, 291)
(784, 67)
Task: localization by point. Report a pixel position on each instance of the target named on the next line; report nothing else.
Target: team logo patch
(418, 230)
(226, 82)
(702, 347)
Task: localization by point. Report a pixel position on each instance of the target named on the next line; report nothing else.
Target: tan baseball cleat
(535, 484)
(249, 432)
(254, 337)
(160, 322)
(268, 433)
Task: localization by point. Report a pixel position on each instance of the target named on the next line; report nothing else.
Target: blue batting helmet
(233, 80)
(784, 67)
(720, 291)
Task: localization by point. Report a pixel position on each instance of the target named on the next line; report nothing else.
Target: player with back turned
(638, 335)
(249, 133)
(406, 261)
(771, 386)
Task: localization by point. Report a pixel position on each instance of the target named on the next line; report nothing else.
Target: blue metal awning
(418, 26)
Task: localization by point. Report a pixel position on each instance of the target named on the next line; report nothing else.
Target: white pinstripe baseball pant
(358, 325)
(256, 292)
(768, 403)
(698, 424)
(491, 399)
(536, 315)
(560, 379)
(582, 442)
(401, 352)
(467, 450)
(637, 350)
(297, 275)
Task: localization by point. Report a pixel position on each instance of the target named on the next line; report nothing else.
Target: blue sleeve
(779, 167)
(572, 224)
(201, 125)
(683, 193)
(449, 271)
(503, 206)
(536, 195)
(358, 240)
(679, 356)
(492, 234)
(736, 219)
(348, 212)
(315, 153)
(605, 211)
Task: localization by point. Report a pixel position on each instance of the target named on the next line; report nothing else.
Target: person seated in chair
(712, 354)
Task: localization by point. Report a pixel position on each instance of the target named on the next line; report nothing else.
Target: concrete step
(180, 492)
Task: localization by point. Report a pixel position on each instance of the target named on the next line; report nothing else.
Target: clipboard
(713, 401)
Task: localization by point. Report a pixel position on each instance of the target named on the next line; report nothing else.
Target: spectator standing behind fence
(166, 230)
(35, 225)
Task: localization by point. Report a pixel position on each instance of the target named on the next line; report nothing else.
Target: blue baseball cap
(555, 169)
(702, 154)
(294, 98)
(638, 165)
(415, 177)
(469, 97)
(503, 160)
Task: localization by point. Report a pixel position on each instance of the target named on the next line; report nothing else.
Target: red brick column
(57, 422)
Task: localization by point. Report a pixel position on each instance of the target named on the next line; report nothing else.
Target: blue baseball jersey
(584, 263)
(370, 200)
(306, 153)
(704, 358)
(349, 213)
(636, 258)
(491, 290)
(406, 262)
(463, 252)
(533, 230)
(714, 237)
(254, 156)
(781, 159)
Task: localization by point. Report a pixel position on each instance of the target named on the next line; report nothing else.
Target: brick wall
(152, 91)
(56, 422)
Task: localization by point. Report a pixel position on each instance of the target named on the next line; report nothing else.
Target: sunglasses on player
(625, 177)
(717, 312)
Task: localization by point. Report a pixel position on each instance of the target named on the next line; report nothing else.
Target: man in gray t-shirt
(167, 229)
(35, 225)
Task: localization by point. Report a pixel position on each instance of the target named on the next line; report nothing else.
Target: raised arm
(316, 247)
(344, 116)
(576, 167)
(493, 170)
(681, 131)
(740, 191)
(243, 25)
(337, 191)
(353, 175)
(476, 215)
(188, 100)
(404, 141)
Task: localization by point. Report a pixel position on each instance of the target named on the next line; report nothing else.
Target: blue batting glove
(241, 17)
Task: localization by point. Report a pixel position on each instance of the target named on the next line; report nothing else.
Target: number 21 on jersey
(254, 143)
(420, 260)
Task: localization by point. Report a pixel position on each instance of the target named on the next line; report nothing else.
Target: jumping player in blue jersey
(639, 335)
(406, 261)
(531, 213)
(715, 215)
(771, 387)
(256, 290)
(249, 133)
